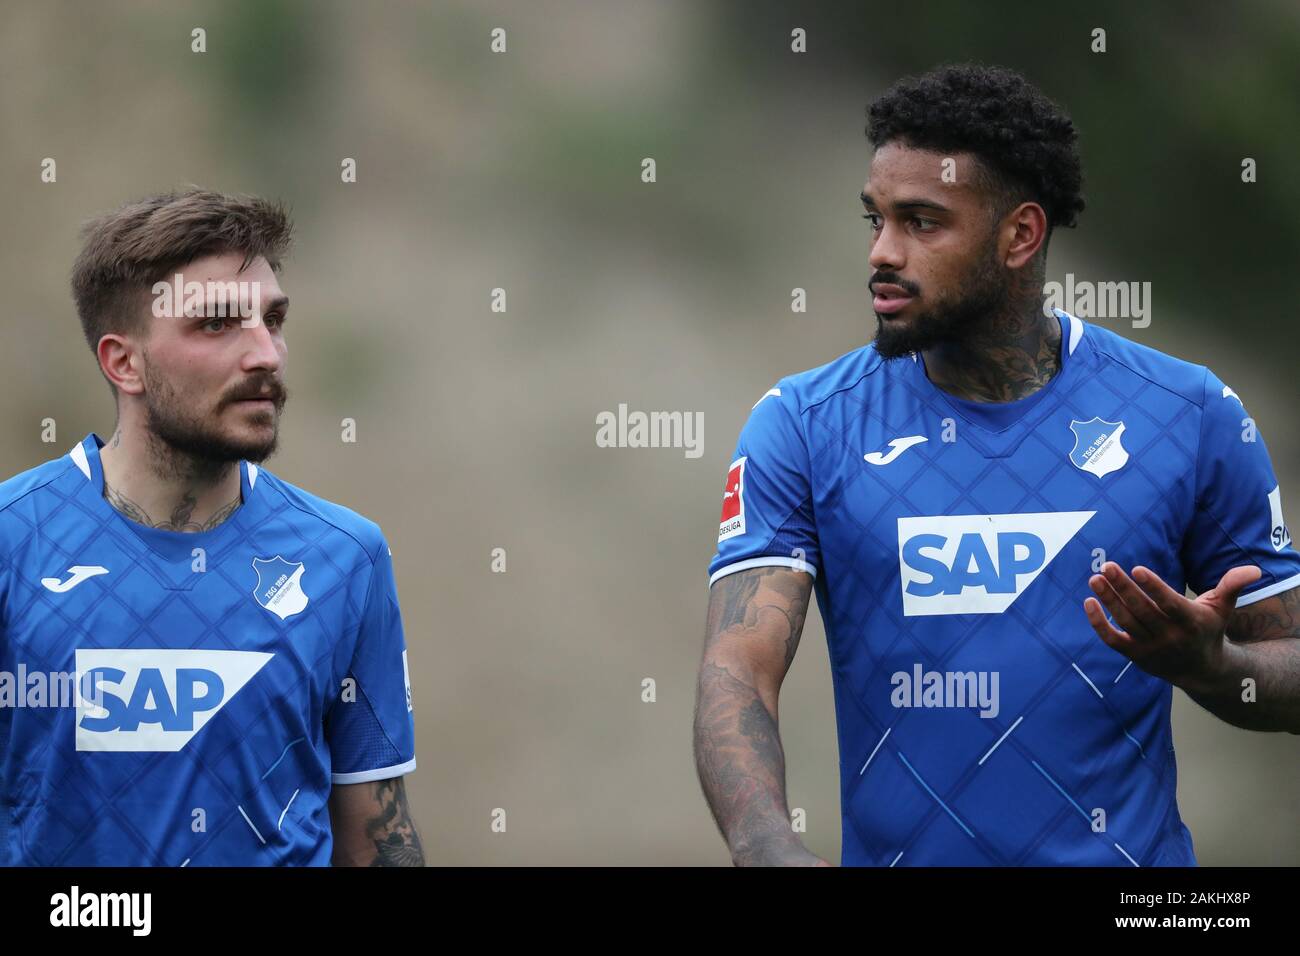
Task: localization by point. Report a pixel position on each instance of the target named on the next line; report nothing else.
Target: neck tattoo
(180, 516)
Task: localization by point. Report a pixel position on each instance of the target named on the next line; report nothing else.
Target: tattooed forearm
(391, 829)
(755, 620)
(1258, 686)
(180, 516)
(1266, 620)
(741, 766)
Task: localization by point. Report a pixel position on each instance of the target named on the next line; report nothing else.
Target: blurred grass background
(476, 429)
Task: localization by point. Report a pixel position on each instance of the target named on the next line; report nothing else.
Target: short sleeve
(1238, 515)
(767, 509)
(371, 728)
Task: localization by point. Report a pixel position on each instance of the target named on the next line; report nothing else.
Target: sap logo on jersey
(977, 564)
(155, 699)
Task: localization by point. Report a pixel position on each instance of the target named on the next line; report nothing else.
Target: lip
(254, 401)
(889, 304)
(889, 290)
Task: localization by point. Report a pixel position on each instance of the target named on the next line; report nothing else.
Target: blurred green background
(476, 429)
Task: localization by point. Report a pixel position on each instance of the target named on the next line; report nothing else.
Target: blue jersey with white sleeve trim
(178, 699)
(981, 721)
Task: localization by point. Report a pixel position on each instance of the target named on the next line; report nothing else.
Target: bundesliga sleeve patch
(733, 502)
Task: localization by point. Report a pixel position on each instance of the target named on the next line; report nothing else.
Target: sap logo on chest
(279, 586)
(155, 699)
(977, 564)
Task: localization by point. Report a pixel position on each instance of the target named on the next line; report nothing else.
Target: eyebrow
(916, 203)
(279, 302)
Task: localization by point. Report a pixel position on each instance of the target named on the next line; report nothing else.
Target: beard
(184, 441)
(986, 294)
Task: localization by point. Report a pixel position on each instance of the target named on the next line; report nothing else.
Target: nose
(262, 349)
(887, 251)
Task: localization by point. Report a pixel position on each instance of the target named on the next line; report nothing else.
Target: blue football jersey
(981, 721)
(172, 699)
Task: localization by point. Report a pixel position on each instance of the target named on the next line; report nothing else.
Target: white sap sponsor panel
(155, 699)
(977, 564)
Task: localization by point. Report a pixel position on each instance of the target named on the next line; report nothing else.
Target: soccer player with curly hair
(1000, 508)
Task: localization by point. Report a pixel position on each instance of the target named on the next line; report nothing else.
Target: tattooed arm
(755, 621)
(1263, 644)
(372, 825)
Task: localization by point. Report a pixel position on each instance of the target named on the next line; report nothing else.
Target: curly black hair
(1025, 144)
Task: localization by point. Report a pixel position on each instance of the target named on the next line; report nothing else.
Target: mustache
(888, 278)
(264, 388)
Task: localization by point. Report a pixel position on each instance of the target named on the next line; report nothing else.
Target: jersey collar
(998, 417)
(173, 545)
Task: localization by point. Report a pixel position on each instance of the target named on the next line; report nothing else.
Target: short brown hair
(124, 252)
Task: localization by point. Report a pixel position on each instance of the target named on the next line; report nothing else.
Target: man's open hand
(1164, 633)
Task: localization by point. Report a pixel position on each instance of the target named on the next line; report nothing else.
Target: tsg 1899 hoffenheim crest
(1097, 446)
(279, 586)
